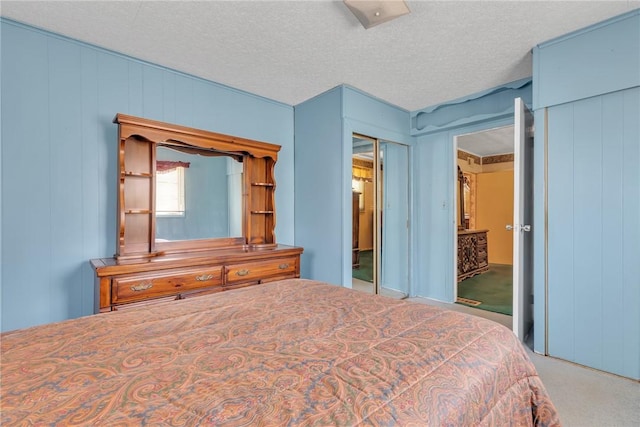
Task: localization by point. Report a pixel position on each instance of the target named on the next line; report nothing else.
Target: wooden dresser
(218, 233)
(473, 256)
(122, 284)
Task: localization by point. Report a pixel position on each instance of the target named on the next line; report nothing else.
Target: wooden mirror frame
(136, 223)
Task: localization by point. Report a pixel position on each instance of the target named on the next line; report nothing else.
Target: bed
(290, 352)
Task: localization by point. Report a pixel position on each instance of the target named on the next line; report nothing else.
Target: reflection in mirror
(460, 216)
(198, 194)
(467, 196)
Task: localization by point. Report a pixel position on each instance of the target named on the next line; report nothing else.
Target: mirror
(460, 197)
(222, 198)
(198, 194)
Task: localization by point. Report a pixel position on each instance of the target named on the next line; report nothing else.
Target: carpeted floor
(493, 289)
(365, 271)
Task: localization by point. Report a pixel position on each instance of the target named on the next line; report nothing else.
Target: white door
(522, 218)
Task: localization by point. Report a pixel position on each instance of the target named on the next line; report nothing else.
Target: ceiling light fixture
(373, 12)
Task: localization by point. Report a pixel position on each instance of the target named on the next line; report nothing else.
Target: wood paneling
(561, 230)
(26, 232)
(593, 232)
(59, 98)
(600, 59)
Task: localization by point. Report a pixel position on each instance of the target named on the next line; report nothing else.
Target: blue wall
(59, 98)
(319, 180)
(367, 115)
(58, 206)
(587, 103)
(324, 126)
(434, 177)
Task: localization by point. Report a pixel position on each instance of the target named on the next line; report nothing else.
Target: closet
(380, 187)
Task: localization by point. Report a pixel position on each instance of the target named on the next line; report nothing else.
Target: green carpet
(494, 289)
(365, 271)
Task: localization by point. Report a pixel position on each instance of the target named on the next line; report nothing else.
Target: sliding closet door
(364, 256)
(380, 184)
(393, 219)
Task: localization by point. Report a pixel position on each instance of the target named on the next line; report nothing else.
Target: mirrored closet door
(380, 189)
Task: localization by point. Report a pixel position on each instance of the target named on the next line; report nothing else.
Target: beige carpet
(367, 287)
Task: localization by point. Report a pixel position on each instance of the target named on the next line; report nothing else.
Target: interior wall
(497, 167)
(365, 115)
(593, 246)
(59, 98)
(324, 128)
(319, 181)
(588, 235)
(494, 210)
(435, 174)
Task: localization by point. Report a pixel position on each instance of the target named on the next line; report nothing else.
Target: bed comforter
(293, 352)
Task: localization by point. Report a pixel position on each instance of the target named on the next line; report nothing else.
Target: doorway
(485, 201)
(380, 217)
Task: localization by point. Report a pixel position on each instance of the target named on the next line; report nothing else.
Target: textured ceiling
(487, 143)
(290, 51)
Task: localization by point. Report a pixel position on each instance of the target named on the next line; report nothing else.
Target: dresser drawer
(137, 288)
(256, 271)
(482, 239)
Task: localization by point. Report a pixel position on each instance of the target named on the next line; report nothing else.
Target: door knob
(525, 227)
(509, 227)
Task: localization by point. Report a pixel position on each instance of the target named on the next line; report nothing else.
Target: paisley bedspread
(293, 352)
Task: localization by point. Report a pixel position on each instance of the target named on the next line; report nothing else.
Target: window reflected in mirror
(170, 188)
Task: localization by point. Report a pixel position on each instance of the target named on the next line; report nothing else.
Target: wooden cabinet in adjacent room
(473, 256)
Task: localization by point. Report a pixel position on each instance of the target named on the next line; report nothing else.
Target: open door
(522, 219)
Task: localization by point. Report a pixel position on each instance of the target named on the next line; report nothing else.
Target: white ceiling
(488, 143)
(290, 51)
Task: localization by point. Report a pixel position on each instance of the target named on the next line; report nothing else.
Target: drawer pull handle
(283, 266)
(142, 287)
(242, 272)
(204, 277)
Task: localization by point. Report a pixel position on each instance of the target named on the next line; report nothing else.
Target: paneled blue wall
(367, 115)
(323, 137)
(435, 175)
(58, 175)
(588, 105)
(594, 232)
(319, 180)
(601, 58)
(59, 98)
